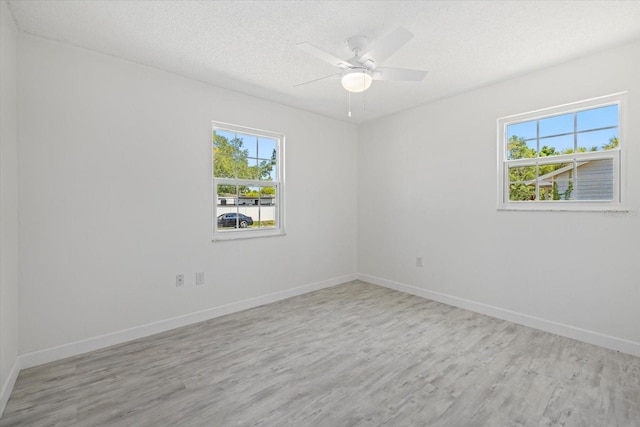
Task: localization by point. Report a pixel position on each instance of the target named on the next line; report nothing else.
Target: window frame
(279, 183)
(617, 155)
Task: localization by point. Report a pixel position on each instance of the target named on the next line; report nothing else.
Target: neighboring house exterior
(247, 201)
(593, 180)
(260, 208)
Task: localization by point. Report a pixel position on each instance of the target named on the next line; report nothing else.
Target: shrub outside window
(563, 158)
(248, 184)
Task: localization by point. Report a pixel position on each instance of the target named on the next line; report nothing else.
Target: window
(563, 158)
(248, 182)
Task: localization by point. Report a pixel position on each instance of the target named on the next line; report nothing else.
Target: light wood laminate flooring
(350, 355)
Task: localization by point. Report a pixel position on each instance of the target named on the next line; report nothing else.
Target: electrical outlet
(179, 280)
(419, 261)
(200, 278)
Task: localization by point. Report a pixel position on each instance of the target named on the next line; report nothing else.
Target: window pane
(594, 180)
(553, 168)
(522, 173)
(227, 194)
(238, 150)
(228, 135)
(267, 148)
(557, 181)
(598, 140)
(556, 125)
(546, 150)
(253, 171)
(522, 192)
(249, 196)
(526, 130)
(234, 209)
(227, 205)
(558, 144)
(223, 166)
(259, 204)
(546, 193)
(518, 148)
(247, 144)
(252, 147)
(233, 220)
(598, 118)
(267, 214)
(230, 156)
(522, 183)
(267, 170)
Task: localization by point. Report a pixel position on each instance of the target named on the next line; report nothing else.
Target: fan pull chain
(349, 103)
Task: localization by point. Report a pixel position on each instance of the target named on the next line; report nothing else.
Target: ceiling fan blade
(387, 46)
(317, 80)
(398, 74)
(322, 55)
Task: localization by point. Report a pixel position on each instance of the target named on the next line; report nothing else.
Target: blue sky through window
(586, 122)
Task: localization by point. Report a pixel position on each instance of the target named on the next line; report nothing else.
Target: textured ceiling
(249, 46)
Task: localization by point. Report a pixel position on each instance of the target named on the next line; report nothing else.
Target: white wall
(115, 200)
(573, 273)
(8, 205)
(115, 197)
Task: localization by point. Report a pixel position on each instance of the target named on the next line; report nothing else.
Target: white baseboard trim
(7, 387)
(579, 334)
(40, 357)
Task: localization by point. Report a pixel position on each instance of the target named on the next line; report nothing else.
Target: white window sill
(246, 234)
(564, 206)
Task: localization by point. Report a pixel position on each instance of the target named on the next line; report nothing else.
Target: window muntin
(247, 182)
(564, 158)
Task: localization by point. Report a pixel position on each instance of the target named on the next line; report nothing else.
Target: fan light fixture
(356, 79)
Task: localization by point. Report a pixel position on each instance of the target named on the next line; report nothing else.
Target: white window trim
(618, 155)
(249, 233)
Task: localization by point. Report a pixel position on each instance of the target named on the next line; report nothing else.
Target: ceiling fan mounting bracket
(357, 44)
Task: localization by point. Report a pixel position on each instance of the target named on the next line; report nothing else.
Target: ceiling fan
(359, 72)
